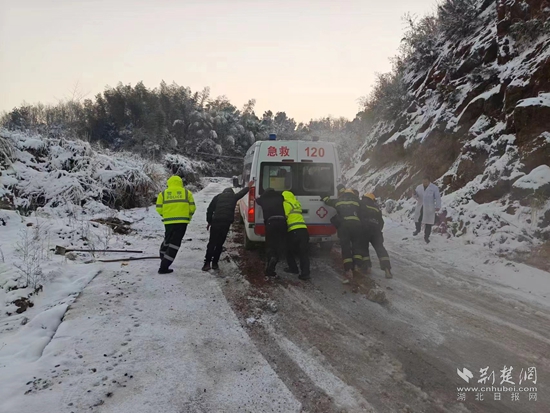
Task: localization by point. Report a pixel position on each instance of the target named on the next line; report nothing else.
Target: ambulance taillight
(252, 205)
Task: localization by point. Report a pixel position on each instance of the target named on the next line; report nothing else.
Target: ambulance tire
(249, 245)
(326, 247)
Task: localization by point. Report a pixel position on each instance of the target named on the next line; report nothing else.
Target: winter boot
(165, 270)
(427, 239)
(270, 268)
(415, 233)
(388, 273)
(206, 266)
(348, 277)
(215, 266)
(304, 277)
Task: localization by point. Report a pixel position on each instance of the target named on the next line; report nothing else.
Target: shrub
(6, 151)
(457, 17)
(526, 32)
(388, 96)
(31, 250)
(419, 43)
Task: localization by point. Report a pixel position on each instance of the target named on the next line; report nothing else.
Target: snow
(543, 99)
(443, 253)
(486, 95)
(128, 339)
(134, 340)
(31, 340)
(344, 396)
(535, 179)
(56, 172)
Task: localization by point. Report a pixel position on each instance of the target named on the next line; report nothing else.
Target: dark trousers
(218, 235)
(173, 234)
(375, 237)
(354, 250)
(298, 244)
(427, 227)
(275, 239)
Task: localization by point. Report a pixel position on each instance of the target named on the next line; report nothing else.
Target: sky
(309, 58)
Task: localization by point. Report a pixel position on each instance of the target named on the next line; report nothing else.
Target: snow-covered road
(136, 341)
(451, 306)
(122, 338)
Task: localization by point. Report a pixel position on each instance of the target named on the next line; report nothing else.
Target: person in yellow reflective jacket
(297, 237)
(176, 206)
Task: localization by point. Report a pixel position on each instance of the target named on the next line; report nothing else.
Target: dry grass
(539, 257)
(6, 150)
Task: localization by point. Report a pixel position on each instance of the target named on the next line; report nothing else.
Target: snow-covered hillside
(63, 192)
(477, 120)
(61, 174)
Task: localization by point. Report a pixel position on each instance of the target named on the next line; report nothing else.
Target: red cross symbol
(322, 212)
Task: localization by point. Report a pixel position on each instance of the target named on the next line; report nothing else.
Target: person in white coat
(428, 202)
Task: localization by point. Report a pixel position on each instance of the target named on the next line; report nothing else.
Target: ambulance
(307, 168)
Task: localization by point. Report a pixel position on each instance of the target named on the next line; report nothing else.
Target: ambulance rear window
(317, 178)
(300, 178)
(276, 176)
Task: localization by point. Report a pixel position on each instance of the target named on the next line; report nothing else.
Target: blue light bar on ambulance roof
(272, 136)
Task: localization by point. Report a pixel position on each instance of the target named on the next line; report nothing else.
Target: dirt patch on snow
(538, 257)
(23, 304)
(117, 225)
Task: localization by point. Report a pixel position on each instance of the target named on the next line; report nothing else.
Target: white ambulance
(307, 168)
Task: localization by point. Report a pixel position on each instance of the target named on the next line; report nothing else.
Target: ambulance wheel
(248, 245)
(326, 247)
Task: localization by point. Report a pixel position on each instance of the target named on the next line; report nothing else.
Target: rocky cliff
(477, 120)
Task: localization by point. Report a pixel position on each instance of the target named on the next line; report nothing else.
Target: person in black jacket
(271, 202)
(220, 215)
(349, 229)
(373, 225)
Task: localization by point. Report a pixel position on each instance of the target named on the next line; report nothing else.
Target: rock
(24, 321)
(497, 191)
(71, 256)
(377, 295)
(535, 152)
(531, 119)
(23, 303)
(538, 180)
(272, 306)
(471, 164)
(491, 53)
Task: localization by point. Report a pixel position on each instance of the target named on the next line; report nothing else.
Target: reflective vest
(347, 205)
(175, 204)
(293, 212)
